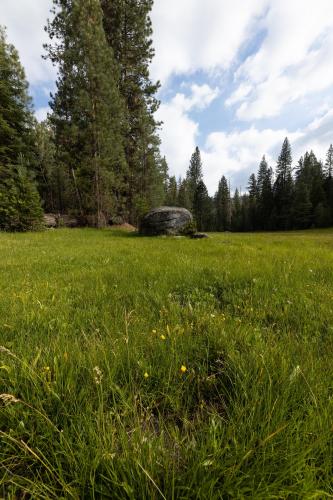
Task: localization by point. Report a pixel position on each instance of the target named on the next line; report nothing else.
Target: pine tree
(172, 192)
(310, 176)
(129, 31)
(20, 208)
(160, 180)
(236, 216)
(183, 194)
(47, 173)
(253, 202)
(283, 188)
(329, 162)
(194, 174)
(302, 210)
(265, 195)
(201, 206)
(16, 118)
(87, 109)
(223, 206)
(328, 184)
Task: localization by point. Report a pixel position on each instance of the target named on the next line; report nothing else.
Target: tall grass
(166, 368)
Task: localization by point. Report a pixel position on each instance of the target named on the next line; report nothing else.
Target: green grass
(85, 314)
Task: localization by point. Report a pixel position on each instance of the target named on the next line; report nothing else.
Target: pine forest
(97, 156)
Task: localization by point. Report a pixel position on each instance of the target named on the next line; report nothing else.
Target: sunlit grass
(166, 368)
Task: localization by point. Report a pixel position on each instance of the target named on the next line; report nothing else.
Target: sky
(237, 77)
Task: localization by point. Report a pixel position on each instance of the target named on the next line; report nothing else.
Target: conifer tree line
(280, 199)
(97, 156)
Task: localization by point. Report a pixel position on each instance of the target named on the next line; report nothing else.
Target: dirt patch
(124, 227)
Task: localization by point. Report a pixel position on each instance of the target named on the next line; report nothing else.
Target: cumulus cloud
(238, 153)
(180, 131)
(318, 136)
(201, 97)
(25, 21)
(41, 113)
(191, 35)
(293, 61)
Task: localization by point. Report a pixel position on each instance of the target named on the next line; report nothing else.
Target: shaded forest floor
(136, 367)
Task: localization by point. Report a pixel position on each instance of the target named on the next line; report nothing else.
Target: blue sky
(237, 77)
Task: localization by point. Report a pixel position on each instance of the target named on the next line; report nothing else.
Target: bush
(20, 208)
(189, 229)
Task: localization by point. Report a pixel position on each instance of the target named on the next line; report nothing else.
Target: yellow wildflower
(183, 369)
(146, 375)
(163, 337)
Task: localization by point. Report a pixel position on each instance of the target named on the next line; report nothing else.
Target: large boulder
(167, 220)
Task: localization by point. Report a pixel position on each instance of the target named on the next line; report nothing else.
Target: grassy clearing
(95, 327)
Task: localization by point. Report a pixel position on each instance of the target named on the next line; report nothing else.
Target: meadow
(166, 368)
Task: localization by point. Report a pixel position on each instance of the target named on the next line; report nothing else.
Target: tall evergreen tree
(129, 33)
(302, 212)
(201, 206)
(87, 109)
(49, 177)
(265, 195)
(329, 162)
(310, 176)
(236, 215)
(194, 174)
(183, 194)
(253, 202)
(283, 188)
(16, 118)
(329, 181)
(172, 192)
(223, 206)
(20, 208)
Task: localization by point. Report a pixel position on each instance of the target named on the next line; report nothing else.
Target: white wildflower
(98, 375)
(296, 371)
(8, 399)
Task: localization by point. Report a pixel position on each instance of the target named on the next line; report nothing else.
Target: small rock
(199, 236)
(50, 220)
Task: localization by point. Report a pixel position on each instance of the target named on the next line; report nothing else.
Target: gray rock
(69, 221)
(50, 220)
(57, 220)
(166, 220)
(116, 220)
(199, 236)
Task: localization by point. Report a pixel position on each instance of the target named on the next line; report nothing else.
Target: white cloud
(293, 61)
(25, 21)
(179, 131)
(291, 65)
(318, 136)
(178, 137)
(192, 35)
(239, 94)
(238, 152)
(41, 113)
(201, 97)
